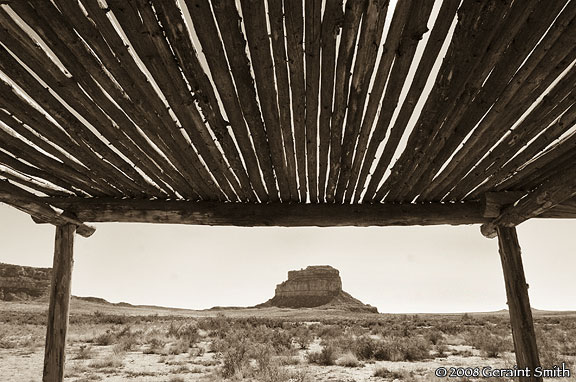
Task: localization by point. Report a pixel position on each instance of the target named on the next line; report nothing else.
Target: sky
(396, 269)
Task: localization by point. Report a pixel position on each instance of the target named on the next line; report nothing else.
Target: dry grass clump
(555, 345)
(84, 352)
(348, 360)
(302, 336)
(113, 360)
(178, 347)
(492, 343)
(110, 361)
(21, 336)
(434, 336)
(7, 341)
(253, 353)
(325, 357)
(390, 348)
(154, 345)
(383, 372)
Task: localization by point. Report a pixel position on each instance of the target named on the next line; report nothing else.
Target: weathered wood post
(518, 302)
(54, 355)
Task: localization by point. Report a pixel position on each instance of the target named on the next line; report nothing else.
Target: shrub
(303, 337)
(463, 353)
(288, 360)
(382, 372)
(109, 361)
(155, 345)
(187, 331)
(434, 336)
(348, 360)
(493, 346)
(7, 343)
(325, 357)
(549, 343)
(491, 342)
(416, 349)
(196, 352)
(330, 331)
(365, 347)
(402, 349)
(104, 339)
(280, 340)
(235, 359)
(84, 352)
(127, 343)
(441, 350)
(178, 347)
(262, 354)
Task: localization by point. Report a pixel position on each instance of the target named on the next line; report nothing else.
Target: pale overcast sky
(397, 269)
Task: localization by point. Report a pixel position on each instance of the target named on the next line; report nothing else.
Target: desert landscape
(108, 342)
(340, 340)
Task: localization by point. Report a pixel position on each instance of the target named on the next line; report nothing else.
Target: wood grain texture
(293, 19)
(414, 28)
(555, 190)
(178, 35)
(312, 28)
(139, 23)
(368, 42)
(470, 41)
(541, 68)
(330, 29)
(276, 19)
(364, 159)
(290, 102)
(213, 48)
(86, 71)
(58, 310)
(518, 302)
(262, 65)
(488, 171)
(37, 207)
(354, 10)
(273, 214)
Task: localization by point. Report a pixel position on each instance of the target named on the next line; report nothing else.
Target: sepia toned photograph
(287, 190)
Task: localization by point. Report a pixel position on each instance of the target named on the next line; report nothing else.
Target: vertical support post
(58, 312)
(518, 302)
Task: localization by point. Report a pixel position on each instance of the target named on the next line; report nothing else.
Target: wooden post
(54, 356)
(518, 302)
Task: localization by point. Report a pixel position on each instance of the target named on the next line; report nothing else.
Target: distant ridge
(20, 283)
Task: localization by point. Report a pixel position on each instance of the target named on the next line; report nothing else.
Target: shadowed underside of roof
(306, 102)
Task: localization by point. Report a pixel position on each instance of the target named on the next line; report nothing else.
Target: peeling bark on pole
(58, 312)
(518, 302)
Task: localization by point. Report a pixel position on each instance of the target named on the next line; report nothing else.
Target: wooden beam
(552, 192)
(518, 302)
(495, 202)
(58, 312)
(37, 208)
(273, 214)
(567, 209)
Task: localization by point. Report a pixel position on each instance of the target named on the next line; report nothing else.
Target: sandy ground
(24, 361)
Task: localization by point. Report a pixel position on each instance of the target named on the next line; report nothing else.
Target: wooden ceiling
(304, 102)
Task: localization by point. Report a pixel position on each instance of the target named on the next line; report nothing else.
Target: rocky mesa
(315, 286)
(19, 283)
